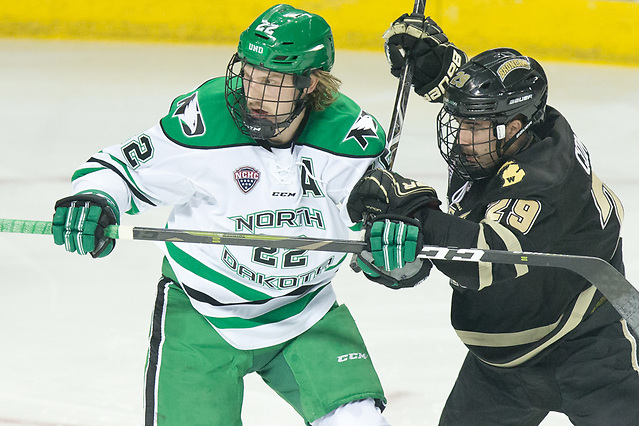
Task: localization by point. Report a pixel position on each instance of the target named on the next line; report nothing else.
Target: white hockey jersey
(196, 160)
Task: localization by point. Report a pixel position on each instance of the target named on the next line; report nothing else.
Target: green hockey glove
(79, 222)
(381, 191)
(394, 243)
(436, 59)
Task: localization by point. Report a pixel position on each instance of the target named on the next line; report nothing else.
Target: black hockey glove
(436, 59)
(79, 222)
(381, 191)
(393, 243)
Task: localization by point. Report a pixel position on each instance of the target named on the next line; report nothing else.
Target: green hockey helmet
(288, 40)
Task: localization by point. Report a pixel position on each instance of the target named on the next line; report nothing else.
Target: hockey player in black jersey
(539, 339)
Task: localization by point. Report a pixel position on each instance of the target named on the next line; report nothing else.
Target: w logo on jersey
(511, 173)
(246, 178)
(188, 112)
(364, 126)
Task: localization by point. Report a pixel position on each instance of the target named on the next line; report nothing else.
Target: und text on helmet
(256, 49)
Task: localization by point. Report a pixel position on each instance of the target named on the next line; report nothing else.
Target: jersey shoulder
(344, 129)
(200, 119)
(547, 163)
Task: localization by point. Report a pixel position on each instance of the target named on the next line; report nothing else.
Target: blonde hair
(326, 91)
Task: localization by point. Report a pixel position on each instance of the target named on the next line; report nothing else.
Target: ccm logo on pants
(354, 355)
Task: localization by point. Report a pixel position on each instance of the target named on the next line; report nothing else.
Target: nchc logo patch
(246, 178)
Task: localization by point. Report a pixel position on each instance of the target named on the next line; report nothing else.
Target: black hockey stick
(399, 112)
(401, 98)
(612, 284)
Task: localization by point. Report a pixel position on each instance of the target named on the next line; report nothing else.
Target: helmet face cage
(470, 147)
(262, 102)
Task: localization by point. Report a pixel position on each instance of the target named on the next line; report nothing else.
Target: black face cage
(256, 106)
(468, 158)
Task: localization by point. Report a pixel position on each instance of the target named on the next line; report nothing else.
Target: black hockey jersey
(545, 199)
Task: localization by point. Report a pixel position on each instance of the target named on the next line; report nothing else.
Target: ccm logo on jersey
(246, 178)
(283, 194)
(354, 355)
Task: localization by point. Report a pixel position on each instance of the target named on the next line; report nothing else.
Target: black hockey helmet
(498, 86)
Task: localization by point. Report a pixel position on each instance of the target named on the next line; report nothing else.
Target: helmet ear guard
(302, 81)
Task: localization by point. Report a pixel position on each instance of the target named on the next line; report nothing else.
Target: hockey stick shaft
(612, 284)
(401, 98)
(25, 226)
(399, 112)
(122, 232)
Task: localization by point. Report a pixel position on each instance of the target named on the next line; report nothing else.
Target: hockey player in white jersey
(272, 147)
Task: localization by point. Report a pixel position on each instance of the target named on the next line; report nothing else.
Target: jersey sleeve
(158, 167)
(141, 173)
(489, 234)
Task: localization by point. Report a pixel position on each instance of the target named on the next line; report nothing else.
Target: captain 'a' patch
(310, 186)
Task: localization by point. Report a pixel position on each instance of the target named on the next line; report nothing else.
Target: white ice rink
(73, 330)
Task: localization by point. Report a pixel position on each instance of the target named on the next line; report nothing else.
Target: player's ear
(314, 80)
(513, 127)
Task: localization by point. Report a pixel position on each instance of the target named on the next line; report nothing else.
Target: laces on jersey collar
(268, 145)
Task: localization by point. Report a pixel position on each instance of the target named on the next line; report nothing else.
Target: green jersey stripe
(190, 263)
(339, 262)
(126, 169)
(274, 316)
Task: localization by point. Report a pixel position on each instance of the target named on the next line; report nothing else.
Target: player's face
(478, 144)
(269, 95)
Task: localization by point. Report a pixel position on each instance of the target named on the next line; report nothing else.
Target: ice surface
(73, 330)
